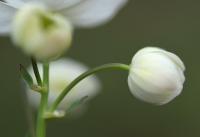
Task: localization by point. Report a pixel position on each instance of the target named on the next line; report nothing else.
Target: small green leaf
(26, 76)
(77, 103)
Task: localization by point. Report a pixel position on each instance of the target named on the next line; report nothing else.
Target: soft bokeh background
(170, 24)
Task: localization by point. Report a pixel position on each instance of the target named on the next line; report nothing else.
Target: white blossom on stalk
(43, 28)
(61, 73)
(41, 34)
(156, 76)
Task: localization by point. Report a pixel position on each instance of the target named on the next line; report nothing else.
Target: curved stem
(41, 125)
(110, 66)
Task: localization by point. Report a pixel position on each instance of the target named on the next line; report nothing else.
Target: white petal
(145, 93)
(90, 13)
(60, 4)
(15, 3)
(6, 16)
(62, 72)
(67, 70)
(51, 4)
(172, 56)
(176, 60)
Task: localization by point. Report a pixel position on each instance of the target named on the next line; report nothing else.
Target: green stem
(110, 66)
(36, 71)
(41, 124)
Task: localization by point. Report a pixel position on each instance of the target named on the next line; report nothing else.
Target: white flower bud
(40, 33)
(62, 72)
(156, 76)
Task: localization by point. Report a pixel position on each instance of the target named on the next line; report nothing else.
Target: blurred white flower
(81, 13)
(156, 76)
(62, 72)
(40, 33)
(43, 28)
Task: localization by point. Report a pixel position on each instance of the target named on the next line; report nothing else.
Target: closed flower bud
(156, 76)
(40, 33)
(63, 72)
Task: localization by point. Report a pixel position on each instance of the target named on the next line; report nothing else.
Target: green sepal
(26, 76)
(60, 114)
(77, 103)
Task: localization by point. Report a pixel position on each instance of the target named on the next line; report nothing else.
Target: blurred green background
(171, 24)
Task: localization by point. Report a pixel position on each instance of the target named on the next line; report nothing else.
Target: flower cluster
(44, 29)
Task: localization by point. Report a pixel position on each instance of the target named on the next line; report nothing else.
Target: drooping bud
(40, 33)
(156, 76)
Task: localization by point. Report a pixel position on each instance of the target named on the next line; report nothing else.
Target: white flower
(156, 76)
(29, 30)
(81, 13)
(40, 33)
(62, 72)
(42, 28)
